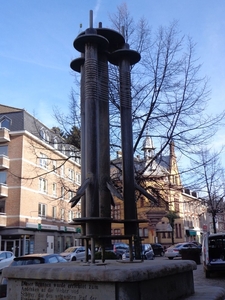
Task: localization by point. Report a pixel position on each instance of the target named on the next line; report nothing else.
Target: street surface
(216, 280)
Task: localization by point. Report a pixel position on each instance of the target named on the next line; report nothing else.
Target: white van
(213, 253)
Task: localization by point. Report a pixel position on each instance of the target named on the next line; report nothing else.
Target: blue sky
(36, 45)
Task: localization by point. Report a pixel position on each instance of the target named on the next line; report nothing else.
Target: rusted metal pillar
(103, 142)
(88, 43)
(78, 66)
(114, 39)
(124, 58)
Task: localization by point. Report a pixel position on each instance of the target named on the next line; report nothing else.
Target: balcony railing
(3, 190)
(4, 162)
(4, 135)
(3, 219)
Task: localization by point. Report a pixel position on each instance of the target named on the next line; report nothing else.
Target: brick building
(39, 174)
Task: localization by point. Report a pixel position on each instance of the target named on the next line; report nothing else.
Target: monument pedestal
(115, 280)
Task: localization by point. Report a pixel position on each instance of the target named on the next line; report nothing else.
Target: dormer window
(63, 149)
(55, 143)
(47, 137)
(72, 154)
(42, 134)
(5, 122)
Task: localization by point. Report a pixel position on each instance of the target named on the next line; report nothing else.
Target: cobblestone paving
(217, 279)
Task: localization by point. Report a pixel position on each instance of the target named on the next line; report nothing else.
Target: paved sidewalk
(207, 293)
(212, 288)
(208, 288)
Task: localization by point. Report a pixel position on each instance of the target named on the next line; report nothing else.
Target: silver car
(174, 250)
(6, 257)
(75, 253)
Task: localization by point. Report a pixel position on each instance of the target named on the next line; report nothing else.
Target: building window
(78, 214)
(63, 149)
(42, 210)
(78, 178)
(47, 137)
(54, 165)
(42, 134)
(176, 205)
(78, 160)
(62, 192)
(71, 174)
(54, 212)
(4, 150)
(43, 160)
(55, 143)
(5, 122)
(42, 185)
(62, 170)
(62, 214)
(145, 231)
(176, 231)
(142, 202)
(54, 189)
(116, 212)
(72, 154)
(3, 176)
(71, 194)
(179, 231)
(70, 216)
(116, 232)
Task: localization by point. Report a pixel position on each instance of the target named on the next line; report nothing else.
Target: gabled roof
(8, 109)
(21, 120)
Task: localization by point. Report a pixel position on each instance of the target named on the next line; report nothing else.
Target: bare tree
(169, 97)
(210, 182)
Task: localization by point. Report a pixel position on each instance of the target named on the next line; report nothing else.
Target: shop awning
(190, 232)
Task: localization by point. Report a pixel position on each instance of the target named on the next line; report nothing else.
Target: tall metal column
(78, 66)
(88, 44)
(124, 58)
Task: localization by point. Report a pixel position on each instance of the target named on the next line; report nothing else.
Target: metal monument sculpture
(99, 47)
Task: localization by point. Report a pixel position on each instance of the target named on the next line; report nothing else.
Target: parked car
(126, 255)
(75, 253)
(117, 248)
(174, 250)
(158, 249)
(213, 254)
(30, 259)
(34, 259)
(6, 257)
(198, 245)
(147, 252)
